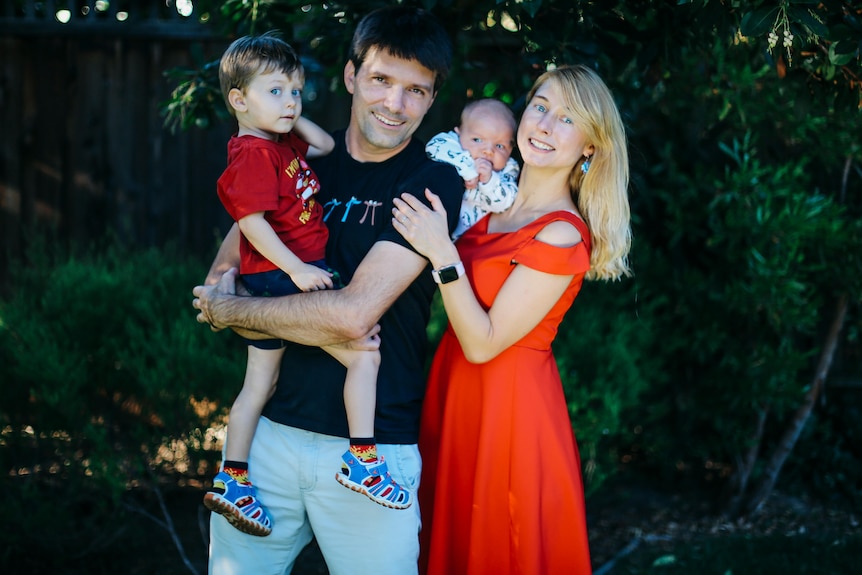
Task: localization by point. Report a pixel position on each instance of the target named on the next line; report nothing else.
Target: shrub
(110, 388)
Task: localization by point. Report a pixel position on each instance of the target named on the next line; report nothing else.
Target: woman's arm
(523, 301)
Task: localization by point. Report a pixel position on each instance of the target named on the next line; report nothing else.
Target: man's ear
(237, 100)
(349, 76)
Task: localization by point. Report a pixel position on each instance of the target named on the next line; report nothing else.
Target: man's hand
(207, 298)
(369, 342)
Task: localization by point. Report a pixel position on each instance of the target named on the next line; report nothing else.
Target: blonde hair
(602, 193)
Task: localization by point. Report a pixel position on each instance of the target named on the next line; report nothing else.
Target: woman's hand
(427, 229)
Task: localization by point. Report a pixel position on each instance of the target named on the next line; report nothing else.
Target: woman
(501, 488)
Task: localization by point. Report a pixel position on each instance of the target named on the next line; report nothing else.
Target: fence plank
(84, 149)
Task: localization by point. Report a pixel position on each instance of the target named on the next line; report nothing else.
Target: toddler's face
(489, 136)
(273, 104)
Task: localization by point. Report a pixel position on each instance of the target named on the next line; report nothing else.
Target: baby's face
(489, 136)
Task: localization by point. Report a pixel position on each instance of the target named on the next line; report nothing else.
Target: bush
(603, 351)
(111, 389)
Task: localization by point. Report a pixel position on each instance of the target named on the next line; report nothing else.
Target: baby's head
(487, 131)
(250, 56)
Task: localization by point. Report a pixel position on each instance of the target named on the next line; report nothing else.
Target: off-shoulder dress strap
(571, 260)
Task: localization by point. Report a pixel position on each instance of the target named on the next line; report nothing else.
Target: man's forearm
(314, 318)
(317, 318)
(309, 318)
(227, 256)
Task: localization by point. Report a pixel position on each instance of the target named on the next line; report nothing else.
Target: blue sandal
(238, 503)
(373, 481)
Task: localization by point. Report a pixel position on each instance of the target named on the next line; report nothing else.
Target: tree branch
(797, 423)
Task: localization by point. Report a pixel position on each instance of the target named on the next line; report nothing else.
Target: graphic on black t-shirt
(370, 207)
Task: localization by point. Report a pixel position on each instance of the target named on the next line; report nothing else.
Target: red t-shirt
(273, 177)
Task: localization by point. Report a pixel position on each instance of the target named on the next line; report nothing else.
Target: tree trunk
(739, 483)
(797, 423)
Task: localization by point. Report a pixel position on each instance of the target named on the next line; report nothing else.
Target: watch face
(448, 274)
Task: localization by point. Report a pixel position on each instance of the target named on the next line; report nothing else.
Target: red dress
(501, 490)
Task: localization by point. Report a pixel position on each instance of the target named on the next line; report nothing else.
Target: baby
(480, 148)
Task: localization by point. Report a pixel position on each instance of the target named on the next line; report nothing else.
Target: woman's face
(547, 135)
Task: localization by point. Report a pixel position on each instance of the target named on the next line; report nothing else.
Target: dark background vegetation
(715, 392)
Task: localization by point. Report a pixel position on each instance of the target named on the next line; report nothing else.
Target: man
(398, 59)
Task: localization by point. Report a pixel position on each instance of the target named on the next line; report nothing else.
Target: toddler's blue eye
(275, 91)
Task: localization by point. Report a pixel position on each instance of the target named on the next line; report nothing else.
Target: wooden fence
(83, 147)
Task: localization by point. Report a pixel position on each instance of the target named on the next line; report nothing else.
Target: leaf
(807, 19)
(759, 22)
(839, 58)
(664, 560)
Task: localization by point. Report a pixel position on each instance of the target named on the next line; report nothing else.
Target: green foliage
(758, 239)
(830, 445)
(109, 384)
(603, 351)
(501, 45)
(196, 100)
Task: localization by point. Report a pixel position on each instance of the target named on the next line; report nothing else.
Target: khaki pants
(294, 471)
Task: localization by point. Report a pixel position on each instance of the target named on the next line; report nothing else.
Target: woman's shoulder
(560, 228)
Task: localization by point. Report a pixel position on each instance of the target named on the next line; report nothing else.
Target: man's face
(390, 98)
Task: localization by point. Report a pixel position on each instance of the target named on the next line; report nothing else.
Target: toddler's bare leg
(360, 388)
(261, 373)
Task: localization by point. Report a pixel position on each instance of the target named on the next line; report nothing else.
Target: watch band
(448, 273)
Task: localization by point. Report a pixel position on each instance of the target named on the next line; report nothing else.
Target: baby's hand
(484, 167)
(311, 278)
(471, 183)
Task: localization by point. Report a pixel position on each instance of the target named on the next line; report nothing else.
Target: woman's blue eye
(540, 108)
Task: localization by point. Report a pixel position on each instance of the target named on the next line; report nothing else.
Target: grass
(785, 554)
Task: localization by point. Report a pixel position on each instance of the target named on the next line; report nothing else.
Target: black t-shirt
(357, 205)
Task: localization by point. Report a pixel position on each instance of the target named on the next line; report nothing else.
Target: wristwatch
(448, 273)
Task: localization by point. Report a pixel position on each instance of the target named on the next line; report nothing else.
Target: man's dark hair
(405, 32)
